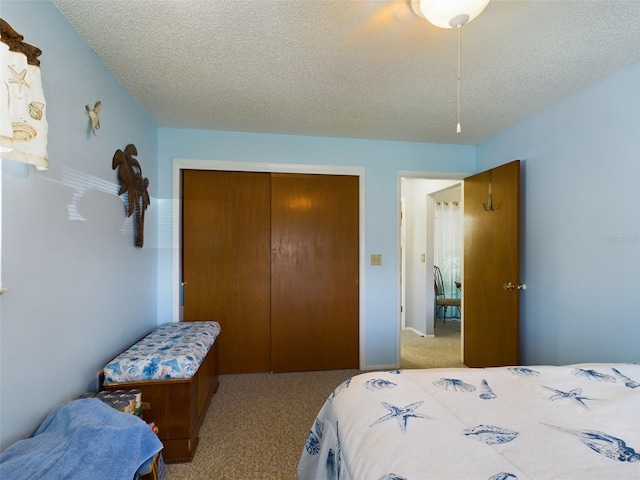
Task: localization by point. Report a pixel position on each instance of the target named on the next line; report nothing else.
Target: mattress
(539, 422)
(171, 351)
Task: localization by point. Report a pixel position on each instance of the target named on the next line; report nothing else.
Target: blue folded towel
(82, 439)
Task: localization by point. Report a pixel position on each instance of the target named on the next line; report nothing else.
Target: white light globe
(450, 13)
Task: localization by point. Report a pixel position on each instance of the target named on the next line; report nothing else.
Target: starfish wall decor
(134, 185)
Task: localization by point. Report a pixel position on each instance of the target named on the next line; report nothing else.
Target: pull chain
(458, 128)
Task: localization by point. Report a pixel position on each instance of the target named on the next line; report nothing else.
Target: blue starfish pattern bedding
(173, 350)
(539, 422)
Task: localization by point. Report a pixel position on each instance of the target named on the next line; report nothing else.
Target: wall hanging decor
(23, 123)
(134, 185)
(94, 119)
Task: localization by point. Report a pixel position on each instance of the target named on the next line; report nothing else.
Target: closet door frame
(180, 164)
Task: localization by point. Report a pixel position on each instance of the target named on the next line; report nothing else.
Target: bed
(175, 368)
(539, 422)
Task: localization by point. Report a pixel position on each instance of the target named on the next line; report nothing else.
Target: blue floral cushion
(173, 350)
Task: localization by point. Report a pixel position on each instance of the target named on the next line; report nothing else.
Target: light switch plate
(376, 259)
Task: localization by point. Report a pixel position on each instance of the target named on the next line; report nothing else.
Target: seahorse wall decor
(134, 185)
(94, 118)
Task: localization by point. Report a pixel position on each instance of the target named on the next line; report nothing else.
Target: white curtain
(448, 247)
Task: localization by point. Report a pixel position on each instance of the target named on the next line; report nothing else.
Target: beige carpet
(257, 426)
(443, 350)
(258, 423)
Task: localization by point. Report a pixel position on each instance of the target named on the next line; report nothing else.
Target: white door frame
(180, 164)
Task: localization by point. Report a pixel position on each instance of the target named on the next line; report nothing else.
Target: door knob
(511, 286)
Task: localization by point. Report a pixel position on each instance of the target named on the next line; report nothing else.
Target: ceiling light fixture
(450, 14)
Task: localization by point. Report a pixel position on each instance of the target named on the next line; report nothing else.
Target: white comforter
(541, 422)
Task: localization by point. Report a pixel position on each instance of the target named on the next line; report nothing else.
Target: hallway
(443, 350)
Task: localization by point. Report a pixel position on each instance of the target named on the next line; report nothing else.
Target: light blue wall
(79, 291)
(382, 161)
(581, 264)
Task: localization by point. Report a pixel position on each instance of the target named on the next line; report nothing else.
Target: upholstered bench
(176, 369)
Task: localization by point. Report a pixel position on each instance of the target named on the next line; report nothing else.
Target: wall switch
(423, 257)
(376, 259)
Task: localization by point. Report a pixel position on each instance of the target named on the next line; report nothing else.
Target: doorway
(419, 194)
(490, 267)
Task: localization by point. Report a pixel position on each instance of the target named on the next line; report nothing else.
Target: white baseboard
(372, 368)
(417, 332)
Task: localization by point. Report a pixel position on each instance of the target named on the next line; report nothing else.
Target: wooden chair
(441, 301)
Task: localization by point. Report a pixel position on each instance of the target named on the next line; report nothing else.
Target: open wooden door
(491, 288)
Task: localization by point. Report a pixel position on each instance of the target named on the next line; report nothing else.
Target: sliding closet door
(226, 262)
(314, 272)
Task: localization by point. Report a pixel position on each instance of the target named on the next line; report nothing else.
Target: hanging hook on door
(489, 205)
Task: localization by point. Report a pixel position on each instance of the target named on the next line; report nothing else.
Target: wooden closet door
(314, 272)
(226, 262)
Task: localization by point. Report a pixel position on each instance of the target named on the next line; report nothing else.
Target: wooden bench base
(178, 406)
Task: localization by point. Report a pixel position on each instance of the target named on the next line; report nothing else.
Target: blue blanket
(82, 439)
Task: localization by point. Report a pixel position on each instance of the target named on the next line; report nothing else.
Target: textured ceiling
(353, 68)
